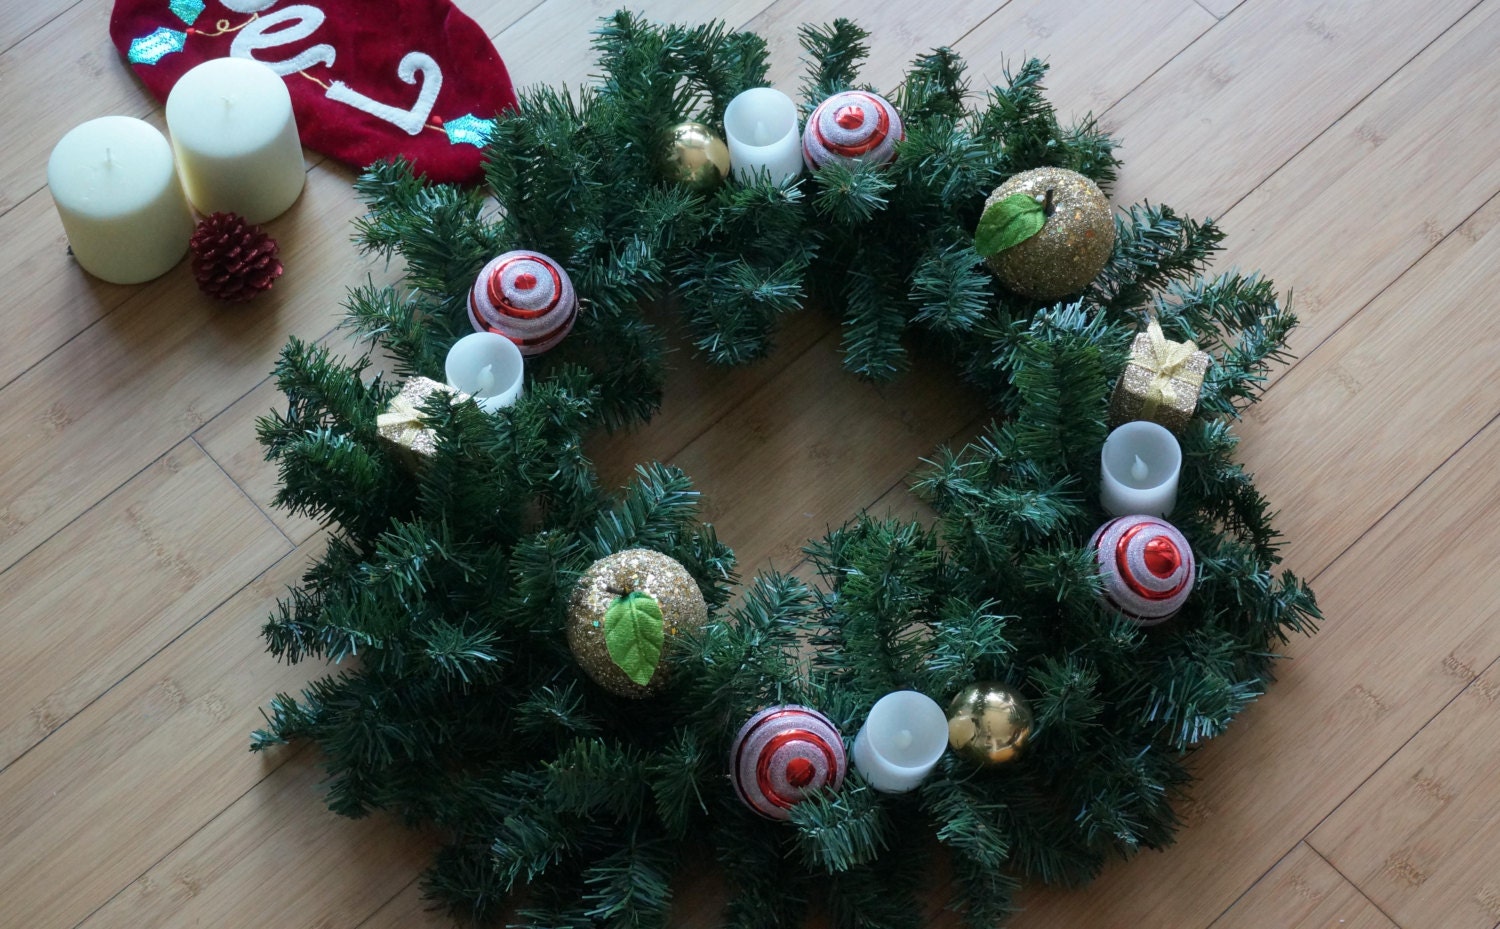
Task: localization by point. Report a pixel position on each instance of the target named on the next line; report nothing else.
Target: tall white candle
(487, 366)
(116, 190)
(1139, 466)
(760, 126)
(901, 741)
(236, 139)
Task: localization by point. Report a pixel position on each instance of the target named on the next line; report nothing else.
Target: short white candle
(760, 126)
(116, 190)
(901, 741)
(1140, 463)
(236, 139)
(486, 366)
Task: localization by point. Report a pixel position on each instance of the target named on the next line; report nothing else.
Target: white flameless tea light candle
(1140, 463)
(236, 139)
(760, 126)
(486, 366)
(117, 192)
(901, 741)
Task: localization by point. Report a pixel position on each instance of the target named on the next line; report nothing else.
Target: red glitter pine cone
(232, 259)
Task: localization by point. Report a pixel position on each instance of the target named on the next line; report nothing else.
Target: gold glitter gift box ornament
(401, 427)
(1161, 381)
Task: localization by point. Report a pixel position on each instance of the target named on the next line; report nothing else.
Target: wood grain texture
(551, 44)
(1370, 392)
(1263, 83)
(1422, 836)
(1221, 8)
(800, 455)
(1303, 892)
(1097, 55)
(407, 910)
(54, 299)
(898, 34)
(104, 594)
(229, 439)
(141, 770)
(19, 18)
(71, 72)
(1382, 187)
(1354, 141)
(248, 867)
(165, 363)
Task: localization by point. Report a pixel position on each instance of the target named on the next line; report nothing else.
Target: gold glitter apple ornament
(624, 613)
(1046, 233)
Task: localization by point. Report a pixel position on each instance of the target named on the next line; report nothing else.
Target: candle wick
(1138, 469)
(486, 380)
(109, 156)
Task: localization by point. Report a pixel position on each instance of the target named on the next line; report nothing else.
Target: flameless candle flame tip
(1138, 469)
(485, 383)
(902, 739)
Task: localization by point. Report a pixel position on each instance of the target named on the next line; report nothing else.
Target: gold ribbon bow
(1166, 361)
(402, 414)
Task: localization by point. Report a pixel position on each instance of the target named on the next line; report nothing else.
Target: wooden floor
(1349, 147)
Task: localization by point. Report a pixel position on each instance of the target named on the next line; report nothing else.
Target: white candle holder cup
(901, 741)
(760, 127)
(1139, 467)
(488, 367)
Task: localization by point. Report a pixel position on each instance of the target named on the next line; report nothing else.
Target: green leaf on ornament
(1008, 223)
(633, 634)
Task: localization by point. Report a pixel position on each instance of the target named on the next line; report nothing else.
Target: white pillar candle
(236, 140)
(116, 190)
(486, 366)
(1139, 464)
(901, 741)
(760, 126)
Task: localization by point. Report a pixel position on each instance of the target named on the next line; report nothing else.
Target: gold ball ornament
(1075, 240)
(989, 723)
(696, 157)
(624, 614)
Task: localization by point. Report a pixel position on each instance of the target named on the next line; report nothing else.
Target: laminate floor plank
(1256, 89)
(1303, 892)
(165, 363)
(1355, 401)
(64, 73)
(1382, 187)
(140, 771)
(269, 861)
(1422, 837)
(107, 592)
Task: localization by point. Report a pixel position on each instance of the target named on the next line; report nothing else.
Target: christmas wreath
(555, 677)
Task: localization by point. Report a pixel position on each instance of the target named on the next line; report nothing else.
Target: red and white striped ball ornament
(1147, 567)
(526, 297)
(851, 126)
(782, 754)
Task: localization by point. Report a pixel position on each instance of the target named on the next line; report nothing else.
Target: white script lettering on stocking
(299, 21)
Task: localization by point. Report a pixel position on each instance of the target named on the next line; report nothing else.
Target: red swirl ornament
(1147, 567)
(526, 297)
(782, 754)
(852, 126)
